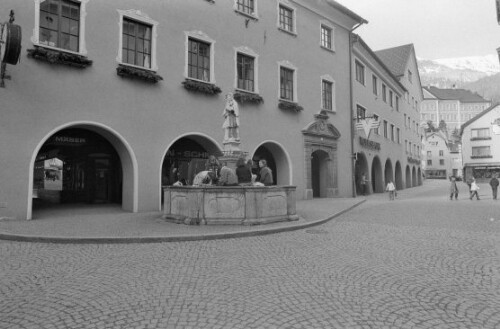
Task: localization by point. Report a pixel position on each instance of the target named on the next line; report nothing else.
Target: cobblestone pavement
(421, 261)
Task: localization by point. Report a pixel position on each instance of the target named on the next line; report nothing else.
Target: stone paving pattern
(420, 261)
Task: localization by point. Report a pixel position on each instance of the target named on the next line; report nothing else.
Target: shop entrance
(319, 173)
(77, 165)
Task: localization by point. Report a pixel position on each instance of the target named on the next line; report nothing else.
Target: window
(59, 24)
(286, 18)
(441, 162)
(360, 112)
(375, 85)
(429, 154)
(397, 103)
(429, 162)
(327, 95)
(481, 151)
(398, 135)
(405, 119)
(390, 98)
(326, 37)
(198, 60)
(245, 71)
(286, 83)
(410, 76)
(384, 93)
(360, 72)
(245, 6)
(136, 43)
(480, 133)
(392, 133)
(385, 128)
(441, 153)
(375, 130)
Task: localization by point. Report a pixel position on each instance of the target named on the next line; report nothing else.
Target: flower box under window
(54, 56)
(290, 106)
(247, 98)
(201, 87)
(480, 138)
(138, 73)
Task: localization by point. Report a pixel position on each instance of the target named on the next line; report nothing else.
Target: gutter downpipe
(351, 104)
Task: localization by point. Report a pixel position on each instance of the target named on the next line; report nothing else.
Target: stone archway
(377, 176)
(419, 177)
(388, 172)
(399, 176)
(408, 177)
(277, 159)
(360, 168)
(414, 177)
(320, 143)
(125, 186)
(320, 171)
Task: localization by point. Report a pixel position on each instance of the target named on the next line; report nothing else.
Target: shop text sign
(366, 143)
(187, 154)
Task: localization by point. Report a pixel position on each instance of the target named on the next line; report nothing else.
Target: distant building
(441, 158)
(454, 106)
(480, 141)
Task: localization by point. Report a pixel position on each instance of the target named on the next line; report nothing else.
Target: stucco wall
(147, 118)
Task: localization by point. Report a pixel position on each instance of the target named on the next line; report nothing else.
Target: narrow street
(420, 261)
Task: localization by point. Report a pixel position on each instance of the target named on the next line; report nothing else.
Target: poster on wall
(53, 174)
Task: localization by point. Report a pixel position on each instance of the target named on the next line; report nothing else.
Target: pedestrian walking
(474, 189)
(453, 188)
(494, 186)
(391, 189)
(362, 184)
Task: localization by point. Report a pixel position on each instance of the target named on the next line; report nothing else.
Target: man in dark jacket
(266, 175)
(494, 186)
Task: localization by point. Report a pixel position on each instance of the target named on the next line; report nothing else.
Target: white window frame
(201, 36)
(290, 66)
(375, 89)
(253, 15)
(376, 130)
(358, 63)
(329, 79)
(82, 47)
(330, 27)
(288, 5)
(250, 53)
(140, 17)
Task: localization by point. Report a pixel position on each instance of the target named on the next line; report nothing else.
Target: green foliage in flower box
(133, 72)
(247, 98)
(59, 57)
(201, 87)
(290, 106)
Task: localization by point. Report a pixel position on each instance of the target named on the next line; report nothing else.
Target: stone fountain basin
(235, 205)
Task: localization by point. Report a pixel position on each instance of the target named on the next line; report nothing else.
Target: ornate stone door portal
(320, 156)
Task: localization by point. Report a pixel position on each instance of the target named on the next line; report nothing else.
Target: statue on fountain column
(231, 120)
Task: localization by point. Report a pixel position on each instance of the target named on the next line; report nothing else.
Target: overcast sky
(437, 28)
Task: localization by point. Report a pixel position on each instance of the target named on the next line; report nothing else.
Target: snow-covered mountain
(449, 72)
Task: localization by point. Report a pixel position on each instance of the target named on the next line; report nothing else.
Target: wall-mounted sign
(367, 124)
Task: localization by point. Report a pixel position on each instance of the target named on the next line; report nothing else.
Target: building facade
(114, 99)
(480, 140)
(454, 106)
(378, 121)
(438, 163)
(402, 62)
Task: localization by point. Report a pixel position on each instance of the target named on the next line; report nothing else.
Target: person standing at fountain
(243, 173)
(227, 176)
(213, 165)
(266, 175)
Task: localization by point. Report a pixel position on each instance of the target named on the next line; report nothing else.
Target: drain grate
(316, 231)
